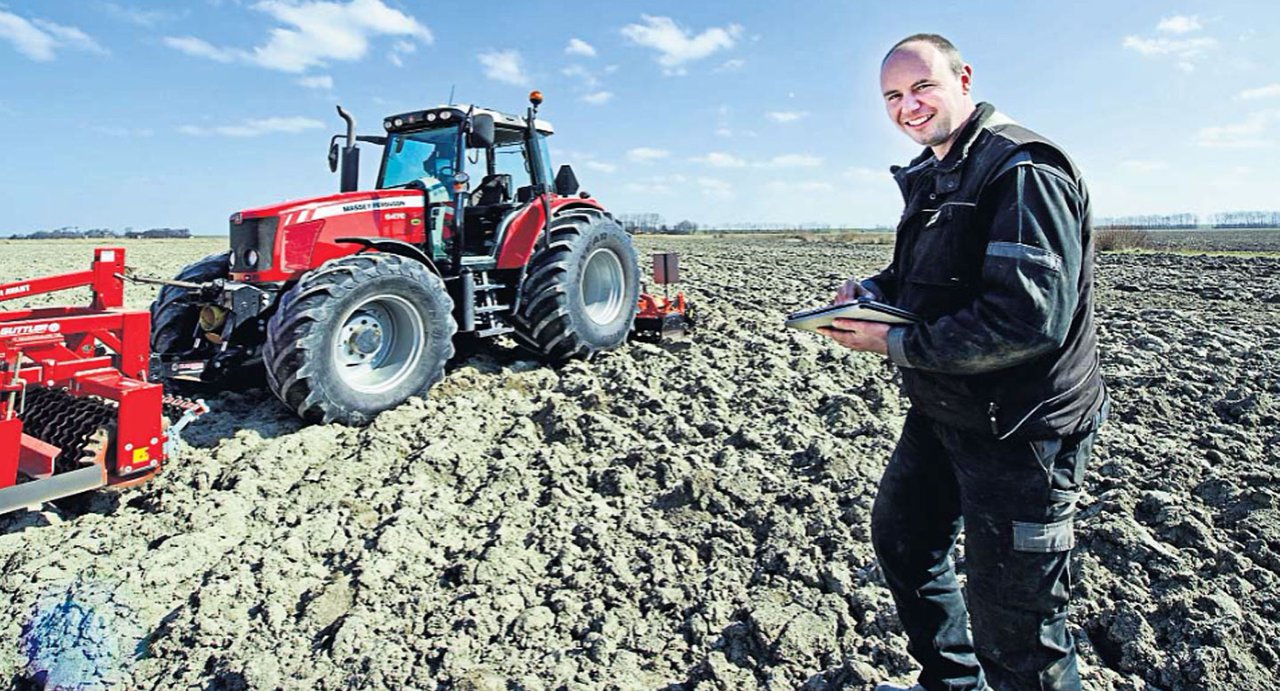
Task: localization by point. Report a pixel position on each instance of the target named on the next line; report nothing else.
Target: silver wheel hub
(603, 286)
(380, 343)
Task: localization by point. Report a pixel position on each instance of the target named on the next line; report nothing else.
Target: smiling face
(924, 96)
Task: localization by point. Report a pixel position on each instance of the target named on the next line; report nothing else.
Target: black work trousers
(1015, 501)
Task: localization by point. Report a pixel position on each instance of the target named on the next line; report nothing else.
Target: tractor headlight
(399, 122)
(251, 258)
(431, 117)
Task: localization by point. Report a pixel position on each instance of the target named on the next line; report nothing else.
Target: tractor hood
(278, 242)
(314, 208)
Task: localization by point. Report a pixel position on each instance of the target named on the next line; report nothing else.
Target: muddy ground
(684, 516)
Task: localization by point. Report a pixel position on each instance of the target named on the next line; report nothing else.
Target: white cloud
(654, 187)
(676, 46)
(1179, 24)
(504, 66)
(578, 46)
(598, 98)
(732, 65)
(39, 39)
(589, 80)
(1268, 91)
(255, 128)
(794, 161)
(319, 81)
(1184, 50)
(400, 49)
(719, 159)
(147, 18)
(1250, 133)
(600, 166)
(1140, 166)
(1178, 47)
(785, 116)
(861, 174)
(203, 49)
(645, 154)
(724, 132)
(715, 188)
(314, 33)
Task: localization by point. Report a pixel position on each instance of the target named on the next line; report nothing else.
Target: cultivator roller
(76, 410)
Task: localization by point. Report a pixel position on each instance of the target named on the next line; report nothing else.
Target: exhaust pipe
(350, 180)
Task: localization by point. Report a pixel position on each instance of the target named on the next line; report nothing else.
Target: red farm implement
(77, 411)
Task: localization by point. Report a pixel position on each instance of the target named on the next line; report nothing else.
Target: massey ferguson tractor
(353, 302)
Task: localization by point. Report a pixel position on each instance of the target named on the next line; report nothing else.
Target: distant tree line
(1188, 221)
(75, 233)
(640, 223)
(1245, 219)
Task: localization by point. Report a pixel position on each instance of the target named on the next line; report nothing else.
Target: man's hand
(872, 337)
(851, 290)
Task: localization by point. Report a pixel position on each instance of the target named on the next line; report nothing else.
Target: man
(994, 251)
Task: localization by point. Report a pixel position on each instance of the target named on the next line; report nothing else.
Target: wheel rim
(603, 285)
(379, 344)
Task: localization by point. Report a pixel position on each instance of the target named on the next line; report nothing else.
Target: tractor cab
(471, 163)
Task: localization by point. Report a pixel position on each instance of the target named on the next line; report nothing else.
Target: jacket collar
(984, 116)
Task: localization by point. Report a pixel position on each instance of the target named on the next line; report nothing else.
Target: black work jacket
(995, 251)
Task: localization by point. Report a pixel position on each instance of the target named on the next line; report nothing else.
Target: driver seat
(493, 189)
(488, 203)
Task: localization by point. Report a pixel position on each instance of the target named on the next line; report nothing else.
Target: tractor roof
(447, 114)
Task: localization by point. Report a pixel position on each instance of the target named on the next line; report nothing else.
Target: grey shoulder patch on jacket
(1028, 253)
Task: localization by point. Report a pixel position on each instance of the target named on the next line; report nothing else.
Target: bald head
(948, 50)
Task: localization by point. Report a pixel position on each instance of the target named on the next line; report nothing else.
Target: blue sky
(123, 113)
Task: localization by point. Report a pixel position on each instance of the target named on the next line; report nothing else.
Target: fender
(524, 231)
(403, 249)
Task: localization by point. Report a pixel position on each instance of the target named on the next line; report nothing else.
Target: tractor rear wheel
(174, 315)
(357, 336)
(580, 292)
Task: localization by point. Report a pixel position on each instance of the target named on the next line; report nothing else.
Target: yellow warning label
(141, 455)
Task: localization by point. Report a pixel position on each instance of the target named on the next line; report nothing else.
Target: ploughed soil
(677, 516)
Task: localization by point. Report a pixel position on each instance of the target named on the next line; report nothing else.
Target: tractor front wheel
(357, 336)
(174, 315)
(581, 289)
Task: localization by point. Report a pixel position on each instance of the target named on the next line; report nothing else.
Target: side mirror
(566, 181)
(333, 155)
(481, 134)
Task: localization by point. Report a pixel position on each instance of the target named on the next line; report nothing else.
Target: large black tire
(580, 293)
(173, 316)
(357, 336)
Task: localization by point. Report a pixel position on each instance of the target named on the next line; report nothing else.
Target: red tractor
(353, 302)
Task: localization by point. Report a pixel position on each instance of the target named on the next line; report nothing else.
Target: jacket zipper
(992, 409)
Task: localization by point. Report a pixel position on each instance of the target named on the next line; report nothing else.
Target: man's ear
(966, 79)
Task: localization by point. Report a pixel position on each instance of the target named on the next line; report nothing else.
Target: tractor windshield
(411, 156)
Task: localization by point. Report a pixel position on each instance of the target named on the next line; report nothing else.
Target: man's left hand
(872, 337)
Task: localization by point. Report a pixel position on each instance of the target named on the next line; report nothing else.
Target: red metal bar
(46, 284)
(10, 448)
(108, 288)
(36, 459)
